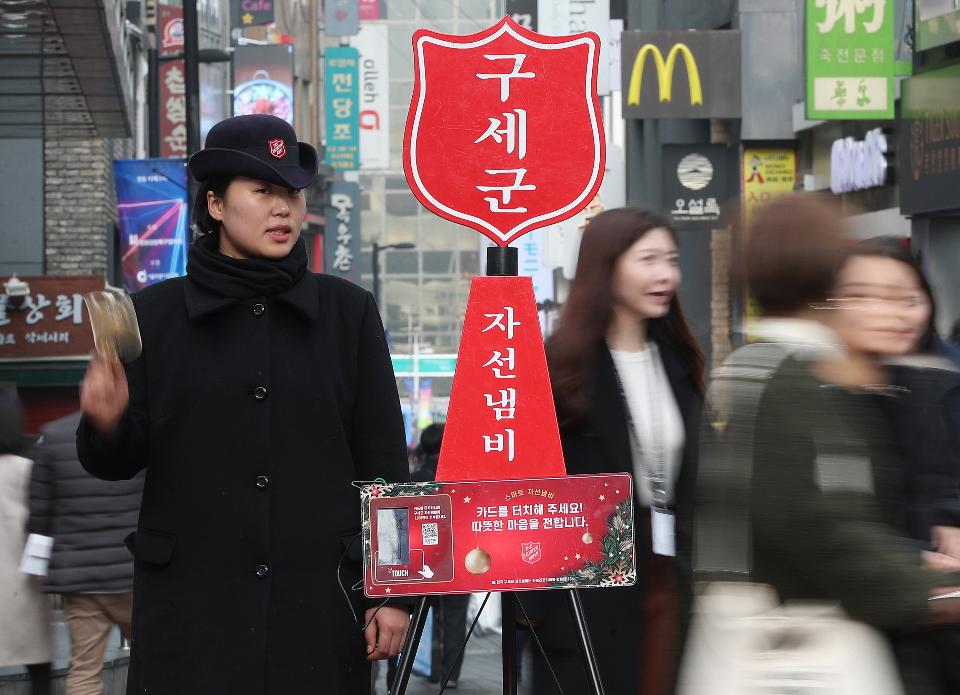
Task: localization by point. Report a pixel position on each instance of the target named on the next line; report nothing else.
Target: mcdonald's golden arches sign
(681, 74)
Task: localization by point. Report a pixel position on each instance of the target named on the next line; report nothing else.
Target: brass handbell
(116, 333)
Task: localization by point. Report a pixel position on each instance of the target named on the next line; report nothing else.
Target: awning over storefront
(64, 69)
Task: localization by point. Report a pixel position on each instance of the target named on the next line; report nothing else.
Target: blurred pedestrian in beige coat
(24, 611)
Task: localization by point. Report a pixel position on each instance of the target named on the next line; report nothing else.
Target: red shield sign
(277, 148)
(504, 132)
(531, 552)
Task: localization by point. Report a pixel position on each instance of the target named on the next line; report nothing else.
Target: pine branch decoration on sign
(615, 568)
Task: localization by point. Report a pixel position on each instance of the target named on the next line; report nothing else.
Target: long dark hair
(895, 249)
(572, 349)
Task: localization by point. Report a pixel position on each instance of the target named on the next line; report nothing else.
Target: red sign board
(173, 92)
(501, 421)
(500, 535)
(504, 133)
(50, 321)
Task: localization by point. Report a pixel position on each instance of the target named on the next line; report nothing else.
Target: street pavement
(480, 675)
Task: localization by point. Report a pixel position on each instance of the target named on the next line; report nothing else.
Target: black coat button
(262, 482)
(263, 571)
(258, 309)
(260, 393)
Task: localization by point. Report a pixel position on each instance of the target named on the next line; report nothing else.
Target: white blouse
(657, 437)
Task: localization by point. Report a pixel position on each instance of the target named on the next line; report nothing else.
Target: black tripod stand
(509, 648)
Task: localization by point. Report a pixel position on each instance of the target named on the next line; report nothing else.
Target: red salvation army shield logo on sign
(277, 148)
(504, 132)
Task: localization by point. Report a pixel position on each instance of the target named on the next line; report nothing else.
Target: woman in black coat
(627, 380)
(262, 392)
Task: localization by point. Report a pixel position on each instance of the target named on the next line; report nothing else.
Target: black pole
(586, 645)
(376, 273)
(508, 633)
(153, 97)
(503, 260)
(409, 651)
(191, 65)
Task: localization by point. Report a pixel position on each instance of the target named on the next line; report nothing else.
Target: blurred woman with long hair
(891, 318)
(627, 377)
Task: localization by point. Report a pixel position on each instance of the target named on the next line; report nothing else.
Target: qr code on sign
(430, 535)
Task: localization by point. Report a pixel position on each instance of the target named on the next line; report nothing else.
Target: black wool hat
(259, 146)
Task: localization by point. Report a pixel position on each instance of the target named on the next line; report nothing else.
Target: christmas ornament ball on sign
(477, 561)
(504, 133)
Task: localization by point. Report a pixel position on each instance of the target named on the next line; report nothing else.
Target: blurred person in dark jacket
(892, 318)
(87, 520)
(797, 445)
(25, 636)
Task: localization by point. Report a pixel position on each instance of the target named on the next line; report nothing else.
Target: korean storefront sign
(342, 97)
(374, 117)
(251, 13)
(173, 99)
(341, 236)
(152, 215)
(51, 321)
(263, 81)
(695, 184)
(550, 533)
(767, 174)
(929, 145)
(849, 59)
(681, 74)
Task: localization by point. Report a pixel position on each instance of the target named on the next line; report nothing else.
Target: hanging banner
(173, 99)
(849, 59)
(695, 184)
(152, 216)
(374, 117)
(342, 106)
(498, 535)
(341, 17)
(251, 13)
(50, 321)
(263, 81)
(341, 235)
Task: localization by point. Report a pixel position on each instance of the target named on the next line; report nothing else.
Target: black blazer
(601, 444)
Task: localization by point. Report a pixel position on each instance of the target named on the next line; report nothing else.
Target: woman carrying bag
(261, 393)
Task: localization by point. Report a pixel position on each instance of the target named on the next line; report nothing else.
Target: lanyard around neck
(653, 456)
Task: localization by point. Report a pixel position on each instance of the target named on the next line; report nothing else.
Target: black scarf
(240, 279)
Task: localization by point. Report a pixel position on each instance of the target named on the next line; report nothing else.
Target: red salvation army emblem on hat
(277, 148)
(504, 133)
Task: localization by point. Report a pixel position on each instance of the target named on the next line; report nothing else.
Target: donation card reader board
(499, 535)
